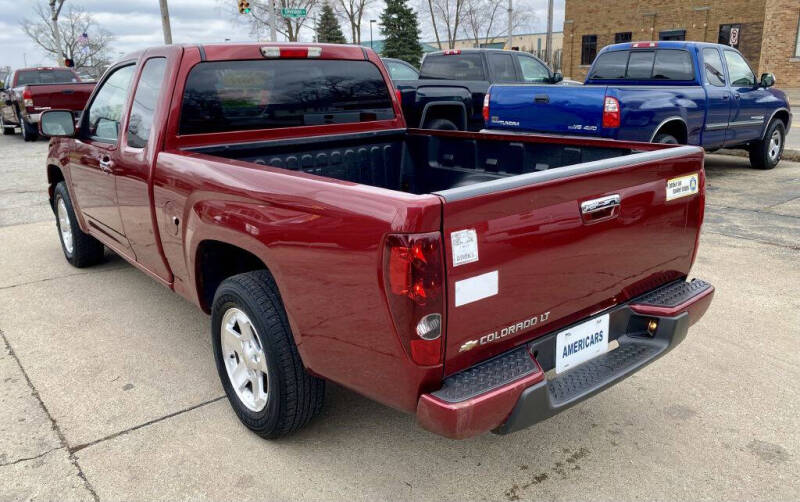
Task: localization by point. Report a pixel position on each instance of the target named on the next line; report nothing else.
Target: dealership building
(767, 32)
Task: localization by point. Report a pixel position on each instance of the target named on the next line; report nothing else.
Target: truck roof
(661, 44)
(252, 50)
(470, 51)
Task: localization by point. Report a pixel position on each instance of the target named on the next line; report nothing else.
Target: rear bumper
(511, 392)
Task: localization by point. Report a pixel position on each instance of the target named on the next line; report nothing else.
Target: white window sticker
(476, 288)
(465, 246)
(681, 187)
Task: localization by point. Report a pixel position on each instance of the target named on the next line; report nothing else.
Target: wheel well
(215, 261)
(54, 177)
(675, 128)
(783, 116)
(452, 112)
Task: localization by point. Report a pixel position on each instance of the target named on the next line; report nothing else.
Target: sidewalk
(793, 138)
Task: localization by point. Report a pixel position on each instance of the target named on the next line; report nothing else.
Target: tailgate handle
(67, 91)
(603, 208)
(541, 98)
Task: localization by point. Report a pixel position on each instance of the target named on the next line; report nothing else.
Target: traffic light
(244, 7)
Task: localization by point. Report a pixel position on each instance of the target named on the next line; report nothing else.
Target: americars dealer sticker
(682, 187)
(465, 246)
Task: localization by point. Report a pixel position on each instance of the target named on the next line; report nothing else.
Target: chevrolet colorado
(442, 273)
(27, 92)
(691, 93)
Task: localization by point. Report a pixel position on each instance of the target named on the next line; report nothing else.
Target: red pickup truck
(27, 92)
(481, 281)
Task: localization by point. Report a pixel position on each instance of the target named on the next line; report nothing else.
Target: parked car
(665, 92)
(27, 92)
(452, 85)
(441, 273)
(400, 70)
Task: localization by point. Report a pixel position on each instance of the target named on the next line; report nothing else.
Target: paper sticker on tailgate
(682, 187)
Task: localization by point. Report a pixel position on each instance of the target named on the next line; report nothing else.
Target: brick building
(767, 32)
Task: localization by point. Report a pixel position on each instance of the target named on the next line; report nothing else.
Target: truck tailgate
(552, 108)
(524, 258)
(61, 96)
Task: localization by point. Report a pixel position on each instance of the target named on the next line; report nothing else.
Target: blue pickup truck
(664, 92)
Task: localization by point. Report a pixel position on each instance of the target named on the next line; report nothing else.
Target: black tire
(667, 139)
(86, 250)
(761, 154)
(29, 131)
(7, 130)
(441, 125)
(294, 396)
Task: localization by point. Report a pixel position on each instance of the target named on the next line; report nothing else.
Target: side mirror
(57, 123)
(557, 77)
(767, 80)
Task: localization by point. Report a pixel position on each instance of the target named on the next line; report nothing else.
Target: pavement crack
(35, 392)
(65, 276)
(80, 447)
(757, 211)
(760, 241)
(25, 459)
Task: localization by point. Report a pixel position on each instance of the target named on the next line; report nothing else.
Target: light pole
(370, 32)
(165, 25)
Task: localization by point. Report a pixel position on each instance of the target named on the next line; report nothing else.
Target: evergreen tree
(328, 29)
(401, 29)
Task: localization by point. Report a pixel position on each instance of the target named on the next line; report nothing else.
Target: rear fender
(445, 109)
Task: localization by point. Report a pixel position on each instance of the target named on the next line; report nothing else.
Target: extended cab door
(747, 116)
(95, 156)
(718, 95)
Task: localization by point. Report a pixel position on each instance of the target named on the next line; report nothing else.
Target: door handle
(725, 97)
(106, 164)
(600, 209)
(541, 98)
(736, 96)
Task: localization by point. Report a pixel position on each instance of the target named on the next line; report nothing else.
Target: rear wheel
(665, 138)
(80, 249)
(257, 360)
(440, 124)
(29, 132)
(767, 152)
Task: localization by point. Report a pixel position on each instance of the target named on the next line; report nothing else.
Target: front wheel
(766, 153)
(257, 359)
(667, 139)
(80, 249)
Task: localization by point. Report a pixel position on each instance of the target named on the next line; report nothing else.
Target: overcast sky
(137, 23)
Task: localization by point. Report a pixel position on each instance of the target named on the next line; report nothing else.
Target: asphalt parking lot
(109, 390)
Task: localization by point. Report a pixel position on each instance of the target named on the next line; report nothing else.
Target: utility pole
(371, 22)
(548, 41)
(55, 10)
(273, 29)
(510, 25)
(165, 22)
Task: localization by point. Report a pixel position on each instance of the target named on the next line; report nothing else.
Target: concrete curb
(791, 155)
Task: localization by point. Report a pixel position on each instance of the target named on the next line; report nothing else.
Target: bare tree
(481, 19)
(259, 17)
(64, 38)
(448, 13)
(433, 22)
(353, 11)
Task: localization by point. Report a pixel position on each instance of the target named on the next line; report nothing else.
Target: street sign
(293, 13)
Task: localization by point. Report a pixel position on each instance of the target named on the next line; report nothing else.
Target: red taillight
(452, 52)
(399, 96)
(611, 112)
(27, 98)
(486, 110)
(414, 283)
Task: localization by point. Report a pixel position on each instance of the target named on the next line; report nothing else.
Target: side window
(673, 65)
(739, 71)
(144, 102)
(533, 70)
(105, 113)
(502, 66)
(400, 71)
(713, 67)
(610, 65)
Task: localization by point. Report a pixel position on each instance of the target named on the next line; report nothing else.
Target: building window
(625, 36)
(672, 35)
(588, 49)
(797, 44)
(730, 34)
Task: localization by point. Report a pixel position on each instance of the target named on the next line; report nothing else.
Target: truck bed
(417, 162)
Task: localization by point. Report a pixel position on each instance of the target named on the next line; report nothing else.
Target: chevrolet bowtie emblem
(468, 345)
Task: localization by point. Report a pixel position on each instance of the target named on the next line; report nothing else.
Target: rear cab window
(658, 64)
(223, 96)
(453, 67)
(27, 77)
